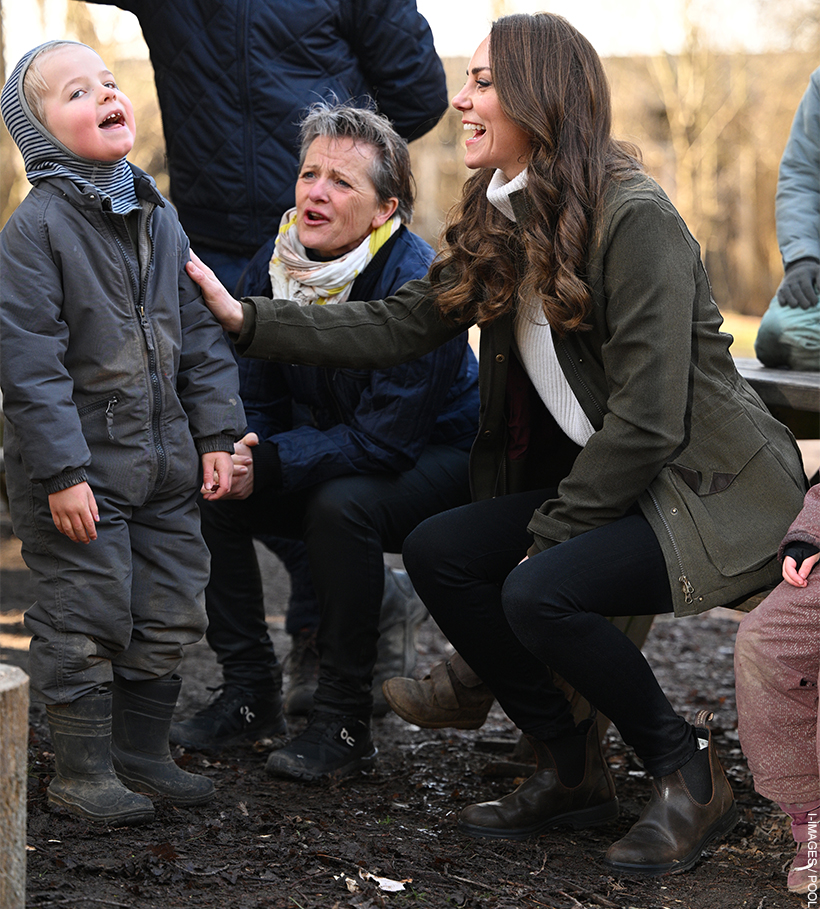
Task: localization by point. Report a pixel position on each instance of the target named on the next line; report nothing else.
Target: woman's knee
(532, 589)
(423, 544)
(341, 502)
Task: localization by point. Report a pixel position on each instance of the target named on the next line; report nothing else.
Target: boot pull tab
(703, 717)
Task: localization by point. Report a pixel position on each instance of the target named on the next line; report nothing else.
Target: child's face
(83, 107)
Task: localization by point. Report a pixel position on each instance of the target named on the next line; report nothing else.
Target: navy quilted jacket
(234, 77)
(358, 420)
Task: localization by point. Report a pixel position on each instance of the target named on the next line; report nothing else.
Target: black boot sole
(146, 787)
(123, 819)
(275, 730)
(578, 820)
(721, 827)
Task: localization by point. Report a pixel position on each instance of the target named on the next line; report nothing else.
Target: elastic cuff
(63, 480)
(214, 443)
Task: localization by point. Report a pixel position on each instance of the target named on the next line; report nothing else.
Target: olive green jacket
(677, 431)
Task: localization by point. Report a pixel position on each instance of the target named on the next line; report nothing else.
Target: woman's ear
(386, 211)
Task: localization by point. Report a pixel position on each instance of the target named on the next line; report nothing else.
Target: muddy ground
(266, 844)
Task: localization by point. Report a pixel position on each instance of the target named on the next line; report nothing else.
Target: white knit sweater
(533, 338)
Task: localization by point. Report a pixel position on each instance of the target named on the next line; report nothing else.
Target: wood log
(13, 776)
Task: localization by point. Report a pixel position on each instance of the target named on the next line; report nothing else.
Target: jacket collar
(87, 196)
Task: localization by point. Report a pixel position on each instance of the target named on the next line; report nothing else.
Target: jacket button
(499, 358)
(674, 511)
(487, 433)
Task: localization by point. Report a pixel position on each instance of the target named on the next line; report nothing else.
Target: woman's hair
(551, 83)
(390, 171)
(35, 86)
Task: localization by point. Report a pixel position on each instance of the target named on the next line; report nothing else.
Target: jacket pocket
(738, 496)
(104, 407)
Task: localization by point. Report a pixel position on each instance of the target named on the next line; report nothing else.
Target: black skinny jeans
(514, 623)
(347, 524)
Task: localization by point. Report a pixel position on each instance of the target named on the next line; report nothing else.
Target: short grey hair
(390, 172)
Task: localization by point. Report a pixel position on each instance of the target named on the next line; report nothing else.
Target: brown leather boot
(543, 801)
(674, 828)
(451, 696)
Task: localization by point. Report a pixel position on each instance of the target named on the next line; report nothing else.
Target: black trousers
(513, 623)
(347, 524)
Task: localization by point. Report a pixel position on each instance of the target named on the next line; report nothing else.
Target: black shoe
(332, 746)
(302, 667)
(236, 715)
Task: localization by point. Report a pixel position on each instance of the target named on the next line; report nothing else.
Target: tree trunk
(13, 773)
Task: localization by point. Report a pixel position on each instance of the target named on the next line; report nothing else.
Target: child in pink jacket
(777, 662)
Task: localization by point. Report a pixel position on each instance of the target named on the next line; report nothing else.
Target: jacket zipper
(582, 383)
(686, 585)
(139, 289)
(109, 412)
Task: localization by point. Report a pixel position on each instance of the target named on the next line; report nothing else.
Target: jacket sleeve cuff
(267, 467)
(245, 336)
(65, 479)
(547, 532)
(219, 442)
(800, 261)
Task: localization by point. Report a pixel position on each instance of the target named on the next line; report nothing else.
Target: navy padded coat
(234, 77)
(356, 420)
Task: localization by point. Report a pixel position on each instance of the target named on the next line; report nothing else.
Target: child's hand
(797, 576)
(217, 474)
(74, 512)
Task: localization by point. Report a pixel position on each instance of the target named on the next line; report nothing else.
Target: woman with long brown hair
(622, 466)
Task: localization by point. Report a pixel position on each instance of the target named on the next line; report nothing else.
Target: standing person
(115, 390)
(777, 668)
(621, 467)
(232, 163)
(789, 333)
(383, 450)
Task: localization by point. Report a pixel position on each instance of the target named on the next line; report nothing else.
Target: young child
(777, 661)
(117, 382)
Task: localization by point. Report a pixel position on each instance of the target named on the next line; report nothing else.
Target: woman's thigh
(480, 542)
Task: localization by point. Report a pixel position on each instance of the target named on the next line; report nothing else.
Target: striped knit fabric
(44, 156)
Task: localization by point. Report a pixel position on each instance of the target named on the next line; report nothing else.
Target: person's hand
(217, 475)
(243, 466)
(74, 512)
(797, 577)
(226, 310)
(800, 285)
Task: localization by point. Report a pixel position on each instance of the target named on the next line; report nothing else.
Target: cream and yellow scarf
(294, 276)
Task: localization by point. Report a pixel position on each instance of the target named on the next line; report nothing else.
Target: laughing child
(118, 387)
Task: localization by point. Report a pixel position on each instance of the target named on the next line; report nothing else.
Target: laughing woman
(622, 466)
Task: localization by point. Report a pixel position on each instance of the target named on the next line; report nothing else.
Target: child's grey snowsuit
(113, 371)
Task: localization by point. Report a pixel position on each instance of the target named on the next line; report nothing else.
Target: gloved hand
(799, 551)
(800, 285)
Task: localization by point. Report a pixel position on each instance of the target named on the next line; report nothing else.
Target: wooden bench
(793, 397)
